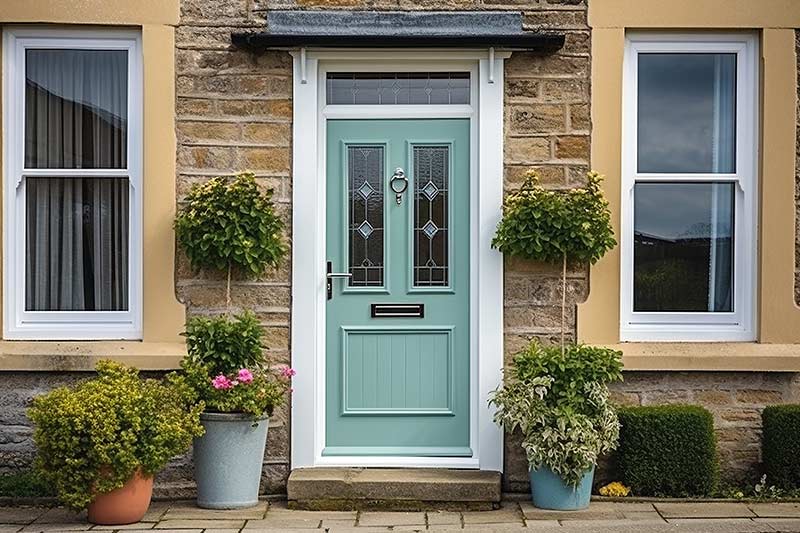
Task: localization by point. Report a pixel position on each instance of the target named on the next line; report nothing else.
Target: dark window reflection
(398, 88)
(76, 108)
(687, 113)
(683, 247)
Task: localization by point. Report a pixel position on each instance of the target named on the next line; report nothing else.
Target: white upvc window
(689, 194)
(72, 131)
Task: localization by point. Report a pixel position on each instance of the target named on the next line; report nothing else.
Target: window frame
(19, 324)
(738, 325)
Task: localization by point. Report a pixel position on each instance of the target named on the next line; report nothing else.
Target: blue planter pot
(549, 491)
(228, 460)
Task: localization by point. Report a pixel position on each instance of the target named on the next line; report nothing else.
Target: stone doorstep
(397, 489)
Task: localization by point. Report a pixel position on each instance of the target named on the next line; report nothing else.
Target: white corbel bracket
(303, 78)
(491, 65)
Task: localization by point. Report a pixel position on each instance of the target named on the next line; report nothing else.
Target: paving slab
(727, 525)
(338, 523)
(188, 511)
(594, 512)
(703, 510)
(391, 519)
(200, 524)
(165, 531)
(10, 528)
(155, 511)
(37, 527)
(443, 518)
(61, 515)
(285, 522)
(372, 529)
(509, 515)
(136, 525)
(776, 510)
(785, 525)
(19, 515)
(221, 531)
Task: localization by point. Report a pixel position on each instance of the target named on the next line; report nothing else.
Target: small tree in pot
(230, 225)
(558, 396)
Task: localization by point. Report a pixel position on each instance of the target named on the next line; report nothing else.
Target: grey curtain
(76, 228)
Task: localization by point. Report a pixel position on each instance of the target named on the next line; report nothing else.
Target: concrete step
(397, 489)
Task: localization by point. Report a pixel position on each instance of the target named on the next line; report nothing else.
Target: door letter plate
(398, 310)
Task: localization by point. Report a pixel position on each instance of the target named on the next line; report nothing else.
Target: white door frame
(309, 236)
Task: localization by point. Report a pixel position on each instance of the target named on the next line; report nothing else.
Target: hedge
(780, 445)
(668, 450)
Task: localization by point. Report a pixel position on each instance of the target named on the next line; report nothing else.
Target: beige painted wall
(779, 317)
(163, 316)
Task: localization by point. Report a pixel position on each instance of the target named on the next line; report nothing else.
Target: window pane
(683, 247)
(76, 108)
(365, 177)
(687, 113)
(398, 88)
(431, 230)
(76, 232)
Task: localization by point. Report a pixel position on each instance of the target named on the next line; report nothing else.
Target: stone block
(537, 118)
(579, 117)
(572, 147)
(527, 150)
(672, 510)
(386, 519)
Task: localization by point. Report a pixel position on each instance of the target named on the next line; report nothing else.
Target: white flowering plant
(558, 400)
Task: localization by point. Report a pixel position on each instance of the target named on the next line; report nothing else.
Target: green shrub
(92, 437)
(27, 484)
(668, 450)
(559, 402)
(780, 445)
(230, 222)
(226, 367)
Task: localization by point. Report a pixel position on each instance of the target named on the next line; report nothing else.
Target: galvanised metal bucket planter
(228, 460)
(549, 491)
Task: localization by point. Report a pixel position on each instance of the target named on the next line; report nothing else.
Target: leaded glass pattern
(365, 169)
(431, 228)
(398, 88)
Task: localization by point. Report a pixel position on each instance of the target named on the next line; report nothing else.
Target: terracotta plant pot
(125, 505)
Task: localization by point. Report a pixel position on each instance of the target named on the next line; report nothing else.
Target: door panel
(398, 385)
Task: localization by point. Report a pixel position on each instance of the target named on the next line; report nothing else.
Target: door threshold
(397, 489)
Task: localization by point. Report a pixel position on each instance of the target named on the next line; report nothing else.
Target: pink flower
(221, 382)
(288, 372)
(245, 376)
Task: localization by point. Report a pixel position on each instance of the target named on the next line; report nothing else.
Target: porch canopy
(397, 29)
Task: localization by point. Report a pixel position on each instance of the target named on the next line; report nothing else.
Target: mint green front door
(397, 338)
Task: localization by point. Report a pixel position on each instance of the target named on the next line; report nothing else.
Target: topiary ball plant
(93, 437)
(556, 226)
(227, 223)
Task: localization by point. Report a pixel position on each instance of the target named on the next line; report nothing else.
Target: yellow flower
(615, 489)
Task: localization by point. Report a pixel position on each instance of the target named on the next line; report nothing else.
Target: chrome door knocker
(399, 184)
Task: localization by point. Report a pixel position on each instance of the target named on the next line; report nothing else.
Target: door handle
(330, 276)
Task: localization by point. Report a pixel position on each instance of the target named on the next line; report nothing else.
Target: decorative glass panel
(687, 113)
(431, 230)
(76, 253)
(76, 108)
(365, 169)
(397, 88)
(683, 247)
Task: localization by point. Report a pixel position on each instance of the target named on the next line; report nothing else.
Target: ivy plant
(558, 400)
(556, 226)
(92, 437)
(227, 223)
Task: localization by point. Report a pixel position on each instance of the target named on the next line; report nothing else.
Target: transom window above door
(72, 261)
(689, 188)
(398, 88)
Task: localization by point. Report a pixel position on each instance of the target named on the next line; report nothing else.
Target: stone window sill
(82, 356)
(710, 356)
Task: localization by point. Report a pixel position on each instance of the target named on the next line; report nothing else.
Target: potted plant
(101, 441)
(225, 365)
(557, 396)
(559, 402)
(229, 224)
